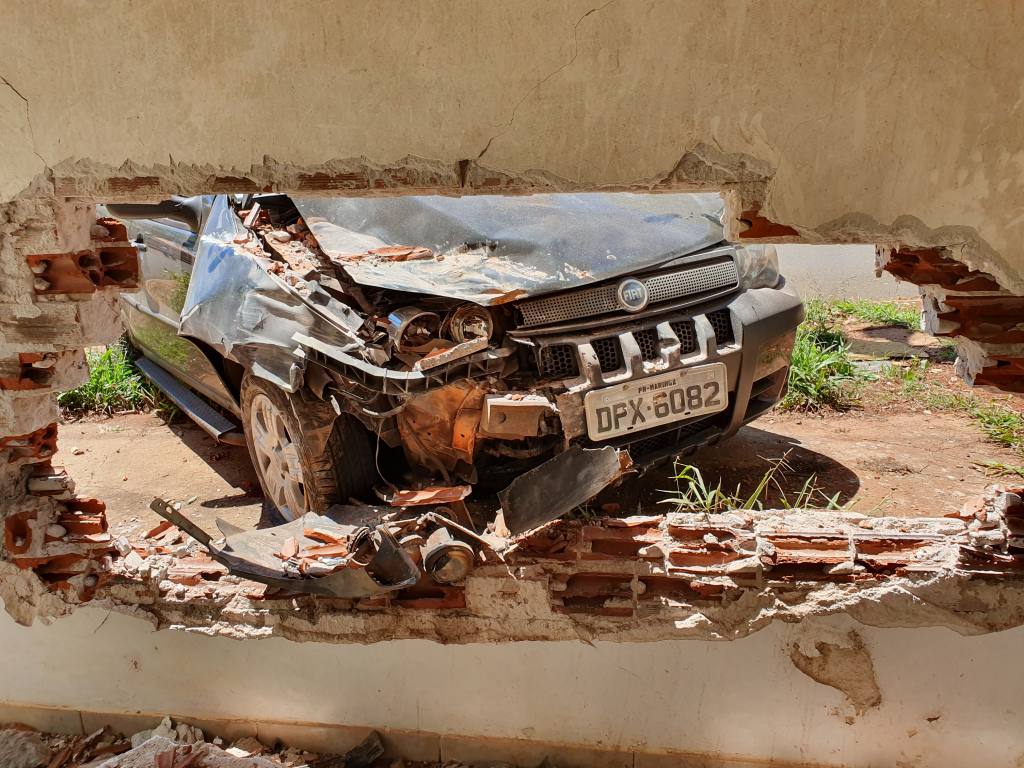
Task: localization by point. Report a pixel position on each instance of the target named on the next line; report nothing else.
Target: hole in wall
(829, 448)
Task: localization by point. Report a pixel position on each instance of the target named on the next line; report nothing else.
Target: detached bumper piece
(559, 485)
(355, 552)
(376, 554)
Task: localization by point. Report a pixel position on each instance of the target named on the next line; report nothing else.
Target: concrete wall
(945, 700)
(836, 118)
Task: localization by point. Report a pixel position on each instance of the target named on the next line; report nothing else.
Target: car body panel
(488, 249)
(151, 316)
(249, 315)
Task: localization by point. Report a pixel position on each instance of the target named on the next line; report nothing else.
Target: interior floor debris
(179, 745)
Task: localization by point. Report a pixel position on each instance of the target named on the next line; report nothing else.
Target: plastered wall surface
(876, 122)
(824, 114)
(938, 698)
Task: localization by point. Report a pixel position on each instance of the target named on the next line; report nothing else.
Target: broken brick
(930, 266)
(757, 227)
(41, 444)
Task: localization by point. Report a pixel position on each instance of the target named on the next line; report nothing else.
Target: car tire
(291, 470)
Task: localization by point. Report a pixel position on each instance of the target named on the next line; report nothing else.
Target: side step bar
(213, 422)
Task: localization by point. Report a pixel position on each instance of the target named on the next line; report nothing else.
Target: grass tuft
(1000, 469)
(1001, 425)
(882, 313)
(694, 494)
(115, 385)
(821, 375)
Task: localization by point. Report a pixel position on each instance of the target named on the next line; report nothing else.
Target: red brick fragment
(930, 266)
(41, 444)
(1006, 373)
(159, 528)
(85, 271)
(117, 232)
(18, 532)
(192, 571)
(758, 227)
(25, 375)
(992, 319)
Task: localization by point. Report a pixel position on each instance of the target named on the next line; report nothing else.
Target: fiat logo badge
(632, 295)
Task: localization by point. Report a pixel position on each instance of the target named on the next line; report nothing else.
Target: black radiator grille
(559, 361)
(721, 321)
(647, 340)
(687, 333)
(609, 353)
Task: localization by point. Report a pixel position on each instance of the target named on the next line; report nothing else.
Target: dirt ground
(889, 457)
(128, 460)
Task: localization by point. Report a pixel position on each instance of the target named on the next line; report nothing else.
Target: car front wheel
(296, 475)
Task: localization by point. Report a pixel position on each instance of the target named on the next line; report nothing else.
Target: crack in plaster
(28, 121)
(539, 83)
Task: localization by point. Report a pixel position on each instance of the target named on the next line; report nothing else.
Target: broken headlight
(471, 321)
(758, 266)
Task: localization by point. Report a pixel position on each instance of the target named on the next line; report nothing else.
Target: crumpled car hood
(491, 249)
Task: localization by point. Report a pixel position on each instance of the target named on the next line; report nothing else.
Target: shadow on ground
(230, 462)
(740, 462)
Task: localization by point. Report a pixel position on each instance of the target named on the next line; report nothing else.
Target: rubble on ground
(181, 745)
(22, 748)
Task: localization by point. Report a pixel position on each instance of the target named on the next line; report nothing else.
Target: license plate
(656, 400)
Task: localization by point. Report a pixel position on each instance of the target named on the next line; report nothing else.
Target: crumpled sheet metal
(559, 485)
(249, 316)
(255, 555)
(489, 249)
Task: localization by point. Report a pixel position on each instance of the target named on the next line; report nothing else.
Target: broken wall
(878, 123)
(882, 123)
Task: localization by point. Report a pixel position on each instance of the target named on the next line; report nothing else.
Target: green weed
(1001, 425)
(915, 385)
(821, 322)
(912, 377)
(882, 313)
(999, 469)
(821, 374)
(946, 353)
(114, 385)
(694, 494)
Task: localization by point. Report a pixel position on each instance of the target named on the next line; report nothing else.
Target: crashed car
(401, 342)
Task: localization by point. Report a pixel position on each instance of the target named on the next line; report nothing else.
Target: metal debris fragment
(560, 485)
(318, 555)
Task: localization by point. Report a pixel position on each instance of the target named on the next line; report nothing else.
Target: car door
(167, 249)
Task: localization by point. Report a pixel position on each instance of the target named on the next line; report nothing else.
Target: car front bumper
(755, 348)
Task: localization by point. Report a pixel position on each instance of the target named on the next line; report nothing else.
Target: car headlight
(471, 322)
(758, 266)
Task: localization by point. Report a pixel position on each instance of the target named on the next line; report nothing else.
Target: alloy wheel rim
(277, 457)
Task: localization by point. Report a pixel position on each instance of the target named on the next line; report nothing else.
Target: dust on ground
(891, 456)
(129, 459)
